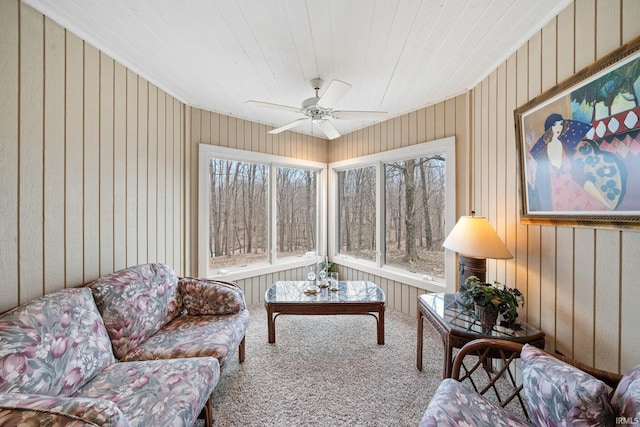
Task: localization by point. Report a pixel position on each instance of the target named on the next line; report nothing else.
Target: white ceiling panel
(398, 55)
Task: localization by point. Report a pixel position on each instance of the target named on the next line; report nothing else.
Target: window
(392, 213)
(257, 212)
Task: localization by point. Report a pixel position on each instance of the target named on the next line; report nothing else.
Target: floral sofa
(557, 391)
(57, 368)
(150, 313)
(138, 347)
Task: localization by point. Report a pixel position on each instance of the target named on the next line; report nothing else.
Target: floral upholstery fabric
(52, 345)
(210, 297)
(18, 409)
(157, 392)
(191, 336)
(626, 398)
(454, 405)
(560, 394)
(135, 303)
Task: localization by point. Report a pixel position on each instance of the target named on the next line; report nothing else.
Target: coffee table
(457, 326)
(353, 297)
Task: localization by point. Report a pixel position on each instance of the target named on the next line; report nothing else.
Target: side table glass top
(350, 291)
(458, 318)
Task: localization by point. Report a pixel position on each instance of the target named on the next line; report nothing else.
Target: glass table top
(349, 291)
(458, 318)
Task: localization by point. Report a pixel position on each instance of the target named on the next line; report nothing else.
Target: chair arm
(35, 409)
(508, 351)
(203, 296)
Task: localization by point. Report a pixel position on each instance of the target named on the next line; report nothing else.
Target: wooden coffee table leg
(381, 326)
(271, 325)
(419, 343)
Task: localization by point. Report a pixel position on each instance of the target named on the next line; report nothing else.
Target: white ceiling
(398, 55)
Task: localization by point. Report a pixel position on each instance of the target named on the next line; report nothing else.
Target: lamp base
(471, 267)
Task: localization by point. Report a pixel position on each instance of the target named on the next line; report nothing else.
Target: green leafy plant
(495, 297)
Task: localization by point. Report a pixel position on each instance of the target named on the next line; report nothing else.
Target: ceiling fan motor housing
(317, 114)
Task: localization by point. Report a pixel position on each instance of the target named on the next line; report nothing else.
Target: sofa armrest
(35, 409)
(202, 296)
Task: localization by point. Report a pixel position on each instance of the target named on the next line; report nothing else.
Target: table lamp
(475, 240)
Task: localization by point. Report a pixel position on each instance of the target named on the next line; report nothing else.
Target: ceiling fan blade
(328, 129)
(359, 115)
(334, 92)
(276, 106)
(288, 125)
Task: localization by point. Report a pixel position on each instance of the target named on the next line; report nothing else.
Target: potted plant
(489, 300)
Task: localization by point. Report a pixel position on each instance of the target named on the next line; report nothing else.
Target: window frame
(418, 280)
(273, 264)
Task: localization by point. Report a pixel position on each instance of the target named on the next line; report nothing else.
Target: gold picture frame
(579, 146)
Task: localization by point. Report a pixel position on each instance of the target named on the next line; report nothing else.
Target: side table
(458, 326)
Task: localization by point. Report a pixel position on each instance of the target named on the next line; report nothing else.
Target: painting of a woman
(570, 172)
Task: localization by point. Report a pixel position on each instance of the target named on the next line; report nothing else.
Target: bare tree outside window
(357, 212)
(237, 213)
(296, 211)
(414, 214)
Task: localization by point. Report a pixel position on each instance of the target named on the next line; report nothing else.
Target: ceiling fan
(320, 109)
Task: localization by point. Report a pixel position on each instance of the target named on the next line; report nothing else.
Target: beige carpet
(329, 371)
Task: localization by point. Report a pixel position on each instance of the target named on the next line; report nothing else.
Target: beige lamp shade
(474, 237)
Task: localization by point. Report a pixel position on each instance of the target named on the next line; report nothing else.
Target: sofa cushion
(53, 344)
(157, 392)
(454, 405)
(18, 409)
(135, 303)
(626, 397)
(192, 336)
(560, 394)
(210, 297)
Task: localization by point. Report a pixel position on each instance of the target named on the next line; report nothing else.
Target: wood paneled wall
(91, 162)
(579, 282)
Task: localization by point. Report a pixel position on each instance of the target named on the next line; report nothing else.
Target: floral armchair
(552, 391)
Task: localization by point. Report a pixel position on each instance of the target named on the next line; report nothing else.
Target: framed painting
(579, 146)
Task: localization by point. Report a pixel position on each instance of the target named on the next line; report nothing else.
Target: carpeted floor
(329, 371)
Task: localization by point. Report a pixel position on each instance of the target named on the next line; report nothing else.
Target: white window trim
(206, 152)
(421, 281)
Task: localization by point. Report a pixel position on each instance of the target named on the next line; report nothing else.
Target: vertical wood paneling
(630, 18)
(74, 162)
(511, 175)
(161, 181)
(119, 168)
(564, 292)
(9, 120)
(106, 164)
(91, 179)
(608, 16)
(629, 297)
(570, 284)
(583, 303)
(169, 175)
(607, 297)
(131, 160)
(79, 196)
(152, 176)
(142, 170)
(53, 156)
(31, 151)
